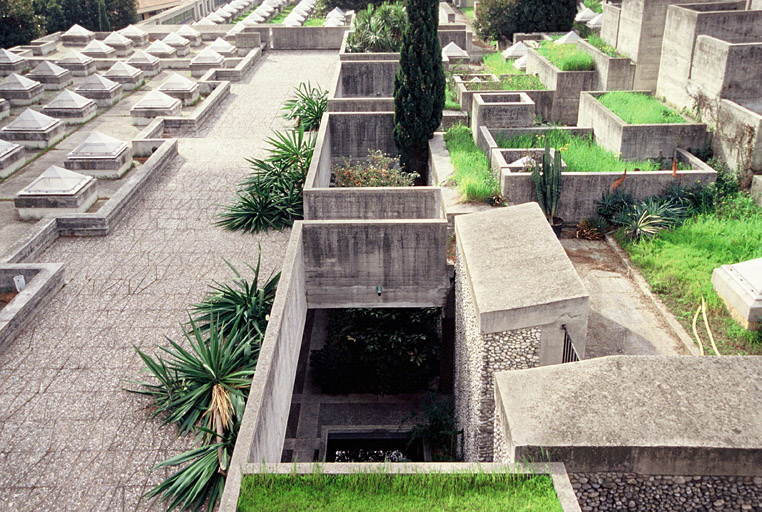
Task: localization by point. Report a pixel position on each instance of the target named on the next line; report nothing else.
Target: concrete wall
(543, 100)
(357, 79)
(612, 73)
(610, 28)
(501, 110)
(738, 135)
(306, 38)
(725, 70)
(345, 262)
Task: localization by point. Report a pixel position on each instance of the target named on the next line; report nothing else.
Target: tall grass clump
(383, 492)
(496, 64)
(473, 176)
(566, 57)
(581, 154)
(639, 108)
(520, 82)
(597, 41)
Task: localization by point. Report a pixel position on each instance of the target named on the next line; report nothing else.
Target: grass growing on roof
(678, 264)
(581, 154)
(281, 17)
(603, 46)
(380, 492)
(639, 108)
(472, 172)
(566, 57)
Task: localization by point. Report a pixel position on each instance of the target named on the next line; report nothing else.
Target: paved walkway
(622, 319)
(70, 437)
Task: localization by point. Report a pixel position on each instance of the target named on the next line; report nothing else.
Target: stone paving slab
(70, 437)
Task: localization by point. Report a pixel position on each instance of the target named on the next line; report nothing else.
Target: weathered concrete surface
(756, 189)
(638, 414)
(72, 439)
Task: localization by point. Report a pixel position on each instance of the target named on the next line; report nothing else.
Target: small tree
(500, 19)
(18, 23)
(104, 25)
(419, 86)
(495, 19)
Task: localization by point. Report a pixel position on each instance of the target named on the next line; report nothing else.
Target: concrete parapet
(612, 73)
(567, 84)
(501, 110)
(307, 38)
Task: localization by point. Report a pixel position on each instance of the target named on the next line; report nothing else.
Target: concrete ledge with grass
(657, 415)
(636, 141)
(612, 73)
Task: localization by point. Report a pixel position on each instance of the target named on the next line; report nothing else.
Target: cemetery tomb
(740, 287)
(11, 157)
(99, 50)
(5, 108)
(10, 62)
(596, 22)
(570, 37)
(207, 59)
(161, 50)
(77, 35)
(204, 21)
(71, 108)
(252, 19)
(178, 42)
(223, 48)
(123, 45)
(454, 51)
(216, 18)
(105, 92)
(585, 15)
(181, 88)
(51, 76)
(223, 14)
(154, 104)
(122, 73)
(100, 156)
(20, 91)
(191, 34)
(137, 36)
(514, 52)
(238, 27)
(147, 63)
(56, 191)
(33, 130)
(77, 63)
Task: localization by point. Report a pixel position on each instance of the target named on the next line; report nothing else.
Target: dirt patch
(5, 298)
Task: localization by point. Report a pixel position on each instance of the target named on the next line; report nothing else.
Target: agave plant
(646, 218)
(308, 107)
(292, 149)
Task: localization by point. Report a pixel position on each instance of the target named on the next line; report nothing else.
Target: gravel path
(71, 437)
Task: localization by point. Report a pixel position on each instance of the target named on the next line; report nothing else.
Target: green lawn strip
(314, 22)
(579, 153)
(281, 17)
(469, 12)
(566, 57)
(603, 46)
(496, 64)
(377, 492)
(678, 265)
(639, 108)
(473, 176)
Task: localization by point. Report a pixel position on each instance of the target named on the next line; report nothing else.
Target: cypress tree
(419, 86)
(122, 13)
(103, 23)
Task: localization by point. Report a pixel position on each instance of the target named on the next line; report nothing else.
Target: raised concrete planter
(20, 91)
(104, 91)
(71, 108)
(100, 156)
(501, 110)
(154, 104)
(130, 77)
(11, 158)
(543, 98)
(740, 287)
(137, 36)
(56, 191)
(161, 50)
(33, 130)
(612, 73)
(181, 88)
(99, 50)
(566, 84)
(11, 63)
(77, 36)
(78, 64)
(178, 42)
(51, 76)
(636, 142)
(147, 63)
(206, 60)
(123, 45)
(519, 160)
(191, 34)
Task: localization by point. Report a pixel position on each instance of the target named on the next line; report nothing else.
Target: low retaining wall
(306, 38)
(543, 99)
(194, 122)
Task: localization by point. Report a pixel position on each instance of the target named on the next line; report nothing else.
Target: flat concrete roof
(705, 403)
(514, 264)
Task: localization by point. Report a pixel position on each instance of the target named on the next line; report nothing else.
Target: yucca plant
(292, 149)
(646, 218)
(308, 107)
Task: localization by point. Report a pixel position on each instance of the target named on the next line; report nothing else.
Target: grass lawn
(281, 17)
(473, 176)
(639, 108)
(678, 265)
(469, 12)
(603, 46)
(375, 492)
(496, 64)
(314, 22)
(580, 153)
(566, 57)
(451, 98)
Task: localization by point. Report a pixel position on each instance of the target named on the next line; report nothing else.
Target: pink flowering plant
(378, 170)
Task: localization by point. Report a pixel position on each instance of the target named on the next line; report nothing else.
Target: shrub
(378, 170)
(566, 57)
(495, 19)
(308, 107)
(639, 108)
(500, 19)
(382, 351)
(378, 29)
(592, 228)
(646, 218)
(613, 204)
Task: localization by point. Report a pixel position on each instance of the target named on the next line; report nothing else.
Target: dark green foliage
(611, 204)
(81, 12)
(122, 13)
(323, 7)
(53, 14)
(18, 23)
(500, 19)
(383, 351)
(308, 107)
(378, 29)
(438, 430)
(546, 176)
(592, 228)
(697, 198)
(104, 25)
(646, 218)
(419, 86)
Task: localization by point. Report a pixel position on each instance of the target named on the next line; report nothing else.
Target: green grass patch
(678, 265)
(473, 176)
(594, 5)
(639, 108)
(469, 12)
(603, 46)
(281, 17)
(566, 57)
(451, 97)
(581, 154)
(495, 63)
(377, 492)
(314, 22)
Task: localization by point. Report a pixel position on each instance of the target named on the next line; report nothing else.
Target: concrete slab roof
(96, 82)
(514, 263)
(187, 30)
(47, 68)
(16, 82)
(121, 69)
(116, 38)
(99, 144)
(31, 120)
(8, 57)
(142, 56)
(74, 57)
(69, 99)
(132, 30)
(77, 30)
(98, 46)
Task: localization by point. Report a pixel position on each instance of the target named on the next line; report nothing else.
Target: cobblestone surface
(70, 437)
